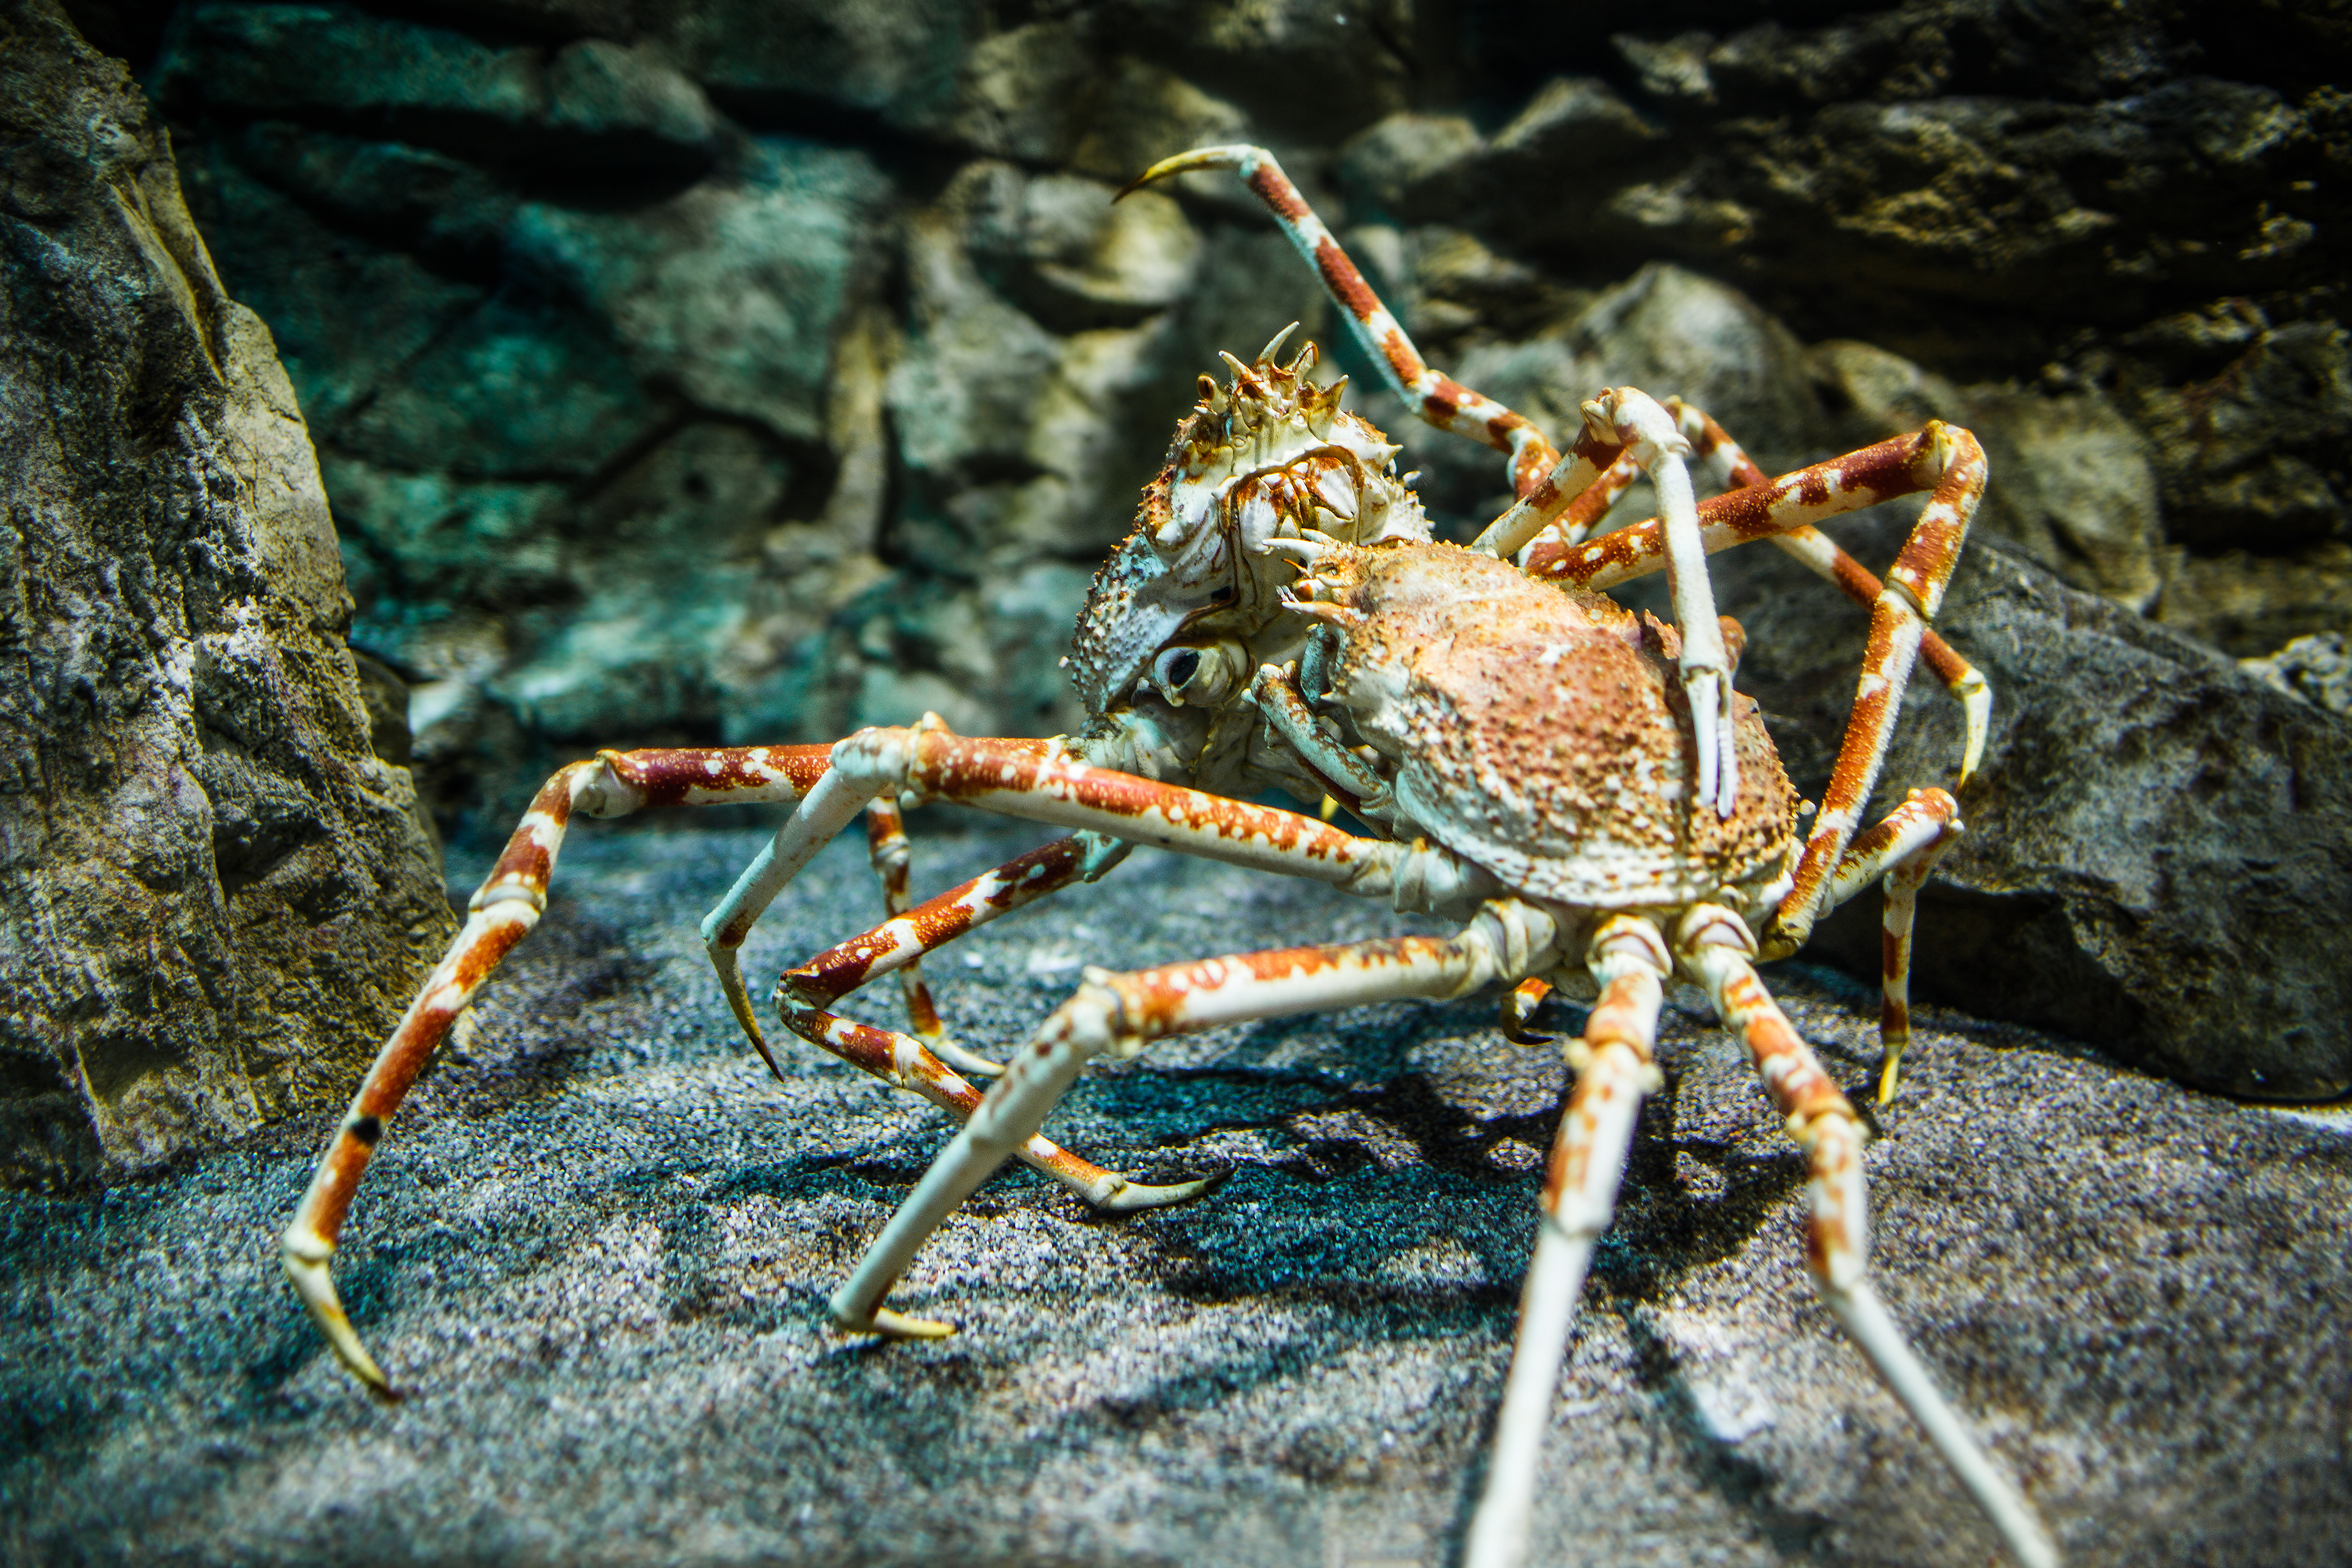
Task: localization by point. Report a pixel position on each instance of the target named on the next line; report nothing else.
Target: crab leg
(1119, 1014)
(1614, 1072)
(501, 913)
(1821, 555)
(805, 991)
(1651, 433)
(1436, 397)
(1942, 458)
(1716, 949)
(1902, 849)
(796, 842)
(1017, 779)
(885, 845)
(1783, 511)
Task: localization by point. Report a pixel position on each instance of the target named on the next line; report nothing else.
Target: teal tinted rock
(598, 88)
(901, 58)
(663, 563)
(731, 290)
(419, 547)
(524, 386)
(349, 64)
(590, 107)
(346, 315)
(437, 206)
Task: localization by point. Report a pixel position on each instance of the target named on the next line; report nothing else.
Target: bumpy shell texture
(1545, 735)
(1262, 457)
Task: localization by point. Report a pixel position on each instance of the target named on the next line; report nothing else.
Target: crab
(1581, 791)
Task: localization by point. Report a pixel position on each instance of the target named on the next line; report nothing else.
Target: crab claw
(304, 1255)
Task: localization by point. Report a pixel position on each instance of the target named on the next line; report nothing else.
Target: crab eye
(1193, 675)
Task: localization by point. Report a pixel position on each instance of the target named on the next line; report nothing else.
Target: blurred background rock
(709, 371)
(704, 371)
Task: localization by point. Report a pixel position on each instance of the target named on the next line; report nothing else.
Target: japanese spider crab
(1583, 789)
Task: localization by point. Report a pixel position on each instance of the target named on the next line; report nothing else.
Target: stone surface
(218, 896)
(595, 1251)
(2158, 847)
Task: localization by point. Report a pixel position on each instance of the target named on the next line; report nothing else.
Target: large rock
(217, 898)
(2160, 847)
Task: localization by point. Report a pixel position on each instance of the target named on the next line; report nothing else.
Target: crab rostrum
(1581, 791)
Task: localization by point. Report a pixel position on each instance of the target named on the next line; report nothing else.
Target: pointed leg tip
(944, 1046)
(893, 1325)
(1888, 1076)
(1137, 1196)
(312, 1282)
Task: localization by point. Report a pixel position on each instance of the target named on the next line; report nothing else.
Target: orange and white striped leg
(885, 845)
(1731, 468)
(501, 913)
(1016, 779)
(1436, 397)
(806, 993)
(1117, 1013)
(1614, 1072)
(1943, 460)
(1715, 949)
(1822, 556)
(824, 812)
(1900, 851)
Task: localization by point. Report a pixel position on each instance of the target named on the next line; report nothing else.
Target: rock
(2245, 455)
(595, 1252)
(624, 108)
(733, 289)
(218, 897)
(1409, 167)
(894, 61)
(2077, 489)
(2159, 849)
(2315, 669)
(1070, 256)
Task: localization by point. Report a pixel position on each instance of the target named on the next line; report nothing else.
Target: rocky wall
(218, 897)
(709, 371)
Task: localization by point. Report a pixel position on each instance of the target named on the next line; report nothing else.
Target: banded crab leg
(1713, 448)
(501, 913)
(1535, 468)
(1943, 460)
(1649, 439)
(885, 845)
(725, 929)
(1820, 554)
(1715, 949)
(807, 991)
(1116, 1015)
(1614, 1072)
(1900, 851)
